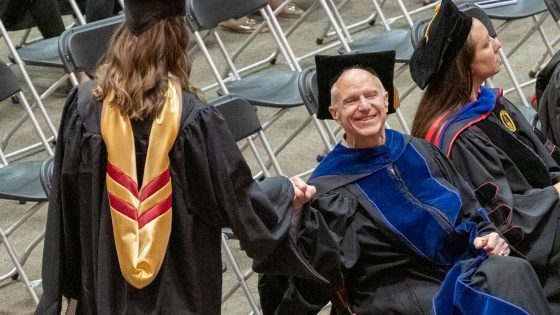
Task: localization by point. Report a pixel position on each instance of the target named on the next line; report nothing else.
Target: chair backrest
(308, 89)
(553, 7)
(479, 14)
(417, 32)
(419, 27)
(8, 82)
(240, 116)
(45, 175)
(204, 14)
(82, 47)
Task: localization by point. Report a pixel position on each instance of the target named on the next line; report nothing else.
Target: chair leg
(513, 78)
(18, 266)
(240, 277)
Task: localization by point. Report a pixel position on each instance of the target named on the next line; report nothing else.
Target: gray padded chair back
(82, 47)
(308, 89)
(45, 176)
(479, 14)
(417, 32)
(207, 14)
(240, 116)
(420, 26)
(8, 82)
(553, 7)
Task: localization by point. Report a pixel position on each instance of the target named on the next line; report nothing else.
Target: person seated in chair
(512, 167)
(393, 227)
(146, 175)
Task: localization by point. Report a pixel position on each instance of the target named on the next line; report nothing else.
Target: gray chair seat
(398, 40)
(42, 53)
(20, 181)
(522, 9)
(271, 87)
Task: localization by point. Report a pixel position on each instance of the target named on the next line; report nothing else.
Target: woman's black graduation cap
(444, 37)
(142, 14)
(330, 68)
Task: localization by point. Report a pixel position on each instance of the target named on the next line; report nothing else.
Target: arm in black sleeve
(61, 252)
(223, 193)
(321, 240)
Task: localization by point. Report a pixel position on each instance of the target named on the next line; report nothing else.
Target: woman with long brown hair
(511, 167)
(146, 175)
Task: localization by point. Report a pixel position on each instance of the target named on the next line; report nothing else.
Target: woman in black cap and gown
(145, 176)
(512, 168)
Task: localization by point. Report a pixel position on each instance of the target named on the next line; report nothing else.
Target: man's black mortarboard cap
(142, 14)
(444, 37)
(330, 68)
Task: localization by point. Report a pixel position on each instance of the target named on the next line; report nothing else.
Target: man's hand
(493, 244)
(557, 187)
(302, 194)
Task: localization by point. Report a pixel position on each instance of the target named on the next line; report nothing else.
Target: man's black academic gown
(391, 228)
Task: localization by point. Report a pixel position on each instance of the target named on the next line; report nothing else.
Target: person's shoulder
(89, 109)
(193, 103)
(195, 110)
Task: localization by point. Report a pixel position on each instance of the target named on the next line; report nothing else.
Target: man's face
(359, 105)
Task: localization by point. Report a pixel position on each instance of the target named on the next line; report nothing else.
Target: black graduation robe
(377, 265)
(512, 167)
(548, 99)
(212, 188)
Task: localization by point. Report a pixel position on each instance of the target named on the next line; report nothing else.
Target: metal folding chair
(309, 93)
(370, 20)
(273, 87)
(43, 53)
(242, 120)
(82, 47)
(22, 182)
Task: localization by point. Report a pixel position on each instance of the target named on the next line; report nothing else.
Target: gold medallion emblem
(507, 121)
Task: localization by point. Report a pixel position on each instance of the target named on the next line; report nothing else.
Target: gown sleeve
(60, 272)
(471, 210)
(328, 240)
(220, 189)
(528, 211)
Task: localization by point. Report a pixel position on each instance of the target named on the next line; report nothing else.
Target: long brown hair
(450, 91)
(137, 68)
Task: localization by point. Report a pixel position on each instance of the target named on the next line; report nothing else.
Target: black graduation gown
(212, 188)
(548, 99)
(347, 240)
(513, 173)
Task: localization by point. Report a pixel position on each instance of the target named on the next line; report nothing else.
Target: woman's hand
(302, 194)
(493, 244)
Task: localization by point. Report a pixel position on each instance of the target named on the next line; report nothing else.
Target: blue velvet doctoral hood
(348, 161)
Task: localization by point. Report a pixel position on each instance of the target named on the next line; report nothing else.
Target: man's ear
(386, 99)
(334, 112)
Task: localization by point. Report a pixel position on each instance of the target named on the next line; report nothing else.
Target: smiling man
(360, 104)
(393, 227)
